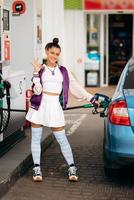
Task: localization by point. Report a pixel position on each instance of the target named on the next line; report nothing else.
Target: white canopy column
(53, 24)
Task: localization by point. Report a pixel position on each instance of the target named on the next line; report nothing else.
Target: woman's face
(53, 55)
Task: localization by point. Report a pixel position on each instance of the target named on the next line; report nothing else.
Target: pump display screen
(5, 20)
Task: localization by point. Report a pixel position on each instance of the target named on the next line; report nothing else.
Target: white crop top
(52, 83)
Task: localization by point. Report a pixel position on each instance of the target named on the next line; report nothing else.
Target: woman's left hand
(37, 66)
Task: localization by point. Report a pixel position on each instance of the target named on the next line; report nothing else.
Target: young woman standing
(51, 83)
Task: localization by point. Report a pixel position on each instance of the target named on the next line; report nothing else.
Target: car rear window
(129, 81)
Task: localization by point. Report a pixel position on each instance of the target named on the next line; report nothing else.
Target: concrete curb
(10, 174)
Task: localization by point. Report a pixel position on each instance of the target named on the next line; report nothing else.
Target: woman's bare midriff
(51, 93)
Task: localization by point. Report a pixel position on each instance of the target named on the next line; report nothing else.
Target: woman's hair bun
(55, 41)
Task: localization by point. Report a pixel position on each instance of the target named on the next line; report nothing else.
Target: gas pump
(12, 89)
(4, 62)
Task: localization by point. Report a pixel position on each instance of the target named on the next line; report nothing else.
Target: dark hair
(54, 43)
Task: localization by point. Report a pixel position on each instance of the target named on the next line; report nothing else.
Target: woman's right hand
(37, 66)
(95, 102)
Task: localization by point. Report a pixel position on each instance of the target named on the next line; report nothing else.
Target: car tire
(109, 172)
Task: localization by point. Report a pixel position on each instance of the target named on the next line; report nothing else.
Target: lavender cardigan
(36, 99)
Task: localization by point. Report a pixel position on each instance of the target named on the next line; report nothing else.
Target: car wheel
(109, 172)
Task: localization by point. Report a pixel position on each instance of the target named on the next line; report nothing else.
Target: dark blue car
(118, 146)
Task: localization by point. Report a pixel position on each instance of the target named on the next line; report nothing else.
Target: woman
(51, 83)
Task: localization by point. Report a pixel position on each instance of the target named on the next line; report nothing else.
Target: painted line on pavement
(75, 123)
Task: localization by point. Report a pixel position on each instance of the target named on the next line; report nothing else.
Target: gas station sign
(120, 5)
(19, 7)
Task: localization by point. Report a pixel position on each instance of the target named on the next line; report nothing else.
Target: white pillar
(75, 34)
(102, 50)
(38, 29)
(53, 24)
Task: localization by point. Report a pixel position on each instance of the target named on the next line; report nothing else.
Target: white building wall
(75, 37)
(53, 24)
(23, 39)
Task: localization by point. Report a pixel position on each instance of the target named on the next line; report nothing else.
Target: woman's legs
(36, 150)
(61, 138)
(66, 150)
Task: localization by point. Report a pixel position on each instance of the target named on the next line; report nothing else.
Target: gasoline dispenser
(12, 89)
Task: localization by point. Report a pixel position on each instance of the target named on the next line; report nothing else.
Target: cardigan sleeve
(77, 90)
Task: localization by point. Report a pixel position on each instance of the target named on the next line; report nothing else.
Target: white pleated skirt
(50, 112)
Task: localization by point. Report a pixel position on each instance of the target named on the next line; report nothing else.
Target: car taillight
(118, 113)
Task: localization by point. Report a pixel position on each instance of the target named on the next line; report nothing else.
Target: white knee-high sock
(36, 144)
(65, 146)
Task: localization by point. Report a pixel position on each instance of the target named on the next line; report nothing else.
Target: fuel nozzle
(104, 102)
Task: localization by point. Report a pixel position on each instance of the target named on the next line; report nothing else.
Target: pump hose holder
(5, 110)
(4, 113)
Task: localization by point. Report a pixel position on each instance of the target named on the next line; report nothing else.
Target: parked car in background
(118, 145)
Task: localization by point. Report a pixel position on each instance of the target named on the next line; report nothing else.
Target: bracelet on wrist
(35, 72)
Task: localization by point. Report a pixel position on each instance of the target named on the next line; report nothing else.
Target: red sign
(7, 50)
(109, 4)
(19, 7)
